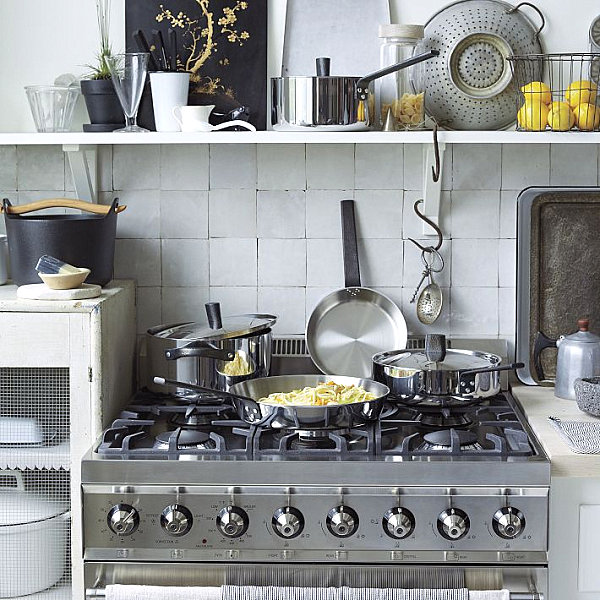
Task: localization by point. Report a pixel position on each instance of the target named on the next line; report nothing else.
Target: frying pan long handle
(510, 367)
(198, 388)
(349, 245)
(362, 84)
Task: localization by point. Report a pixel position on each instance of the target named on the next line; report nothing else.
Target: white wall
(44, 38)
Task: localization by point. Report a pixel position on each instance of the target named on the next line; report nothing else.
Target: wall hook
(436, 171)
(432, 224)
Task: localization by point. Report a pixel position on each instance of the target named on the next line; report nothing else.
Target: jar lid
(398, 30)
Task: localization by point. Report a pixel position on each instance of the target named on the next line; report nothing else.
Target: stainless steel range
(178, 491)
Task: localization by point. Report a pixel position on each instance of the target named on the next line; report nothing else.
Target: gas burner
(447, 437)
(438, 402)
(184, 438)
(443, 418)
(308, 440)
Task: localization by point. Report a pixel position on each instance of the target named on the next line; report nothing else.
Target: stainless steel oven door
(523, 582)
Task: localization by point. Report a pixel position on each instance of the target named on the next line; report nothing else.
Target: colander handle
(537, 10)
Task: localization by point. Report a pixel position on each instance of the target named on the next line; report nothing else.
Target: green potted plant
(98, 91)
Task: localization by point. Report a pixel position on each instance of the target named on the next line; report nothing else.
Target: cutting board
(346, 31)
(558, 245)
(40, 291)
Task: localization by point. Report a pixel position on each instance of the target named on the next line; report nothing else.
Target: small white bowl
(64, 281)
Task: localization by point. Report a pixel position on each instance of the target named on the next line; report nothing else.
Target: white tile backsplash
(233, 166)
(475, 214)
(281, 262)
(40, 168)
(475, 263)
(379, 167)
(184, 214)
(329, 166)
(281, 214)
(232, 213)
(184, 167)
(281, 166)
(259, 228)
(136, 167)
(233, 262)
(185, 263)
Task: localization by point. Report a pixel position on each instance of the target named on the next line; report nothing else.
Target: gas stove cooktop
(167, 427)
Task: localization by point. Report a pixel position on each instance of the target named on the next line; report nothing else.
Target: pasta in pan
(321, 395)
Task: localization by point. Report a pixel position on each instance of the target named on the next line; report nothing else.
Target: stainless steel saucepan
(245, 396)
(325, 102)
(438, 372)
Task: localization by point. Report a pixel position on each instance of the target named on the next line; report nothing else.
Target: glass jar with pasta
(396, 92)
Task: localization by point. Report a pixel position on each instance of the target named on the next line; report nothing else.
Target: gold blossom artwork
(201, 38)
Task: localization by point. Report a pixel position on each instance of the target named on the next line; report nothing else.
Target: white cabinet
(65, 369)
(574, 538)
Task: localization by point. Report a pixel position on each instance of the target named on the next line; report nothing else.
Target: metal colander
(469, 84)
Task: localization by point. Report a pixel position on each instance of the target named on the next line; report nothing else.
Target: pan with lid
(438, 372)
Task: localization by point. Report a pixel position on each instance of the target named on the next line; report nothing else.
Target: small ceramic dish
(587, 394)
(64, 281)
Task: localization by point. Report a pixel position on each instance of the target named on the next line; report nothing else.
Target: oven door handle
(101, 593)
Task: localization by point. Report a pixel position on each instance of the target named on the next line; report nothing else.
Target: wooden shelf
(300, 137)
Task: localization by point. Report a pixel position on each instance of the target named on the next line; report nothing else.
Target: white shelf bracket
(83, 163)
(432, 190)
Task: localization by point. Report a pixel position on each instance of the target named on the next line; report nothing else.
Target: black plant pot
(102, 104)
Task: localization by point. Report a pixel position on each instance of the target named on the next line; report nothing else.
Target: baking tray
(558, 245)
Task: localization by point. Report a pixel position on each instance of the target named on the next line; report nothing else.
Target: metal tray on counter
(558, 246)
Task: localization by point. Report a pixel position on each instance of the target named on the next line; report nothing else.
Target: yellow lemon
(581, 92)
(533, 116)
(561, 117)
(537, 91)
(587, 116)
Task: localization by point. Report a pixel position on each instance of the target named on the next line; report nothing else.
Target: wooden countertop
(539, 403)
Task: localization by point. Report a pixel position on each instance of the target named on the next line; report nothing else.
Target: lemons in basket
(581, 92)
(537, 91)
(561, 117)
(587, 116)
(533, 116)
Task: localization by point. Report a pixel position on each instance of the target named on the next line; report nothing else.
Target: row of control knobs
(342, 521)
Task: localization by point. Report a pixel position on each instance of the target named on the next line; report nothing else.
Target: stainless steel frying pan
(245, 396)
(350, 325)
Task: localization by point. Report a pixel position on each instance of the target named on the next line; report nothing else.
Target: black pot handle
(200, 350)
(213, 314)
(541, 342)
(349, 245)
(362, 85)
(510, 367)
(435, 347)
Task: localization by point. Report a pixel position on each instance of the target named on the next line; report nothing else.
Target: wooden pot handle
(98, 209)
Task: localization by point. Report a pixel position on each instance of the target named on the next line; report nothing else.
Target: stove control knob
(398, 523)
(233, 521)
(508, 522)
(342, 521)
(123, 519)
(453, 524)
(176, 520)
(288, 522)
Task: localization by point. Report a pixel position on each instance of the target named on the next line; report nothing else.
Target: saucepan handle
(510, 367)
(200, 350)
(349, 245)
(362, 86)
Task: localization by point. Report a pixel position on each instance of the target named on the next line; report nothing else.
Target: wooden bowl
(64, 281)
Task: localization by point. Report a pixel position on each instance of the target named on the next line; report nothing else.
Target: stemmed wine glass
(128, 72)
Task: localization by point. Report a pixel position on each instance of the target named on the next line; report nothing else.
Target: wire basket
(556, 92)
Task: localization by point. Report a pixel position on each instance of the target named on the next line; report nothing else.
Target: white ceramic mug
(169, 89)
(193, 118)
(3, 259)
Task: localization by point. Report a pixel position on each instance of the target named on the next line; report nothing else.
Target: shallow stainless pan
(349, 325)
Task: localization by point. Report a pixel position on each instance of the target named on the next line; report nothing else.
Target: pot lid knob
(213, 313)
(583, 324)
(435, 347)
(323, 66)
